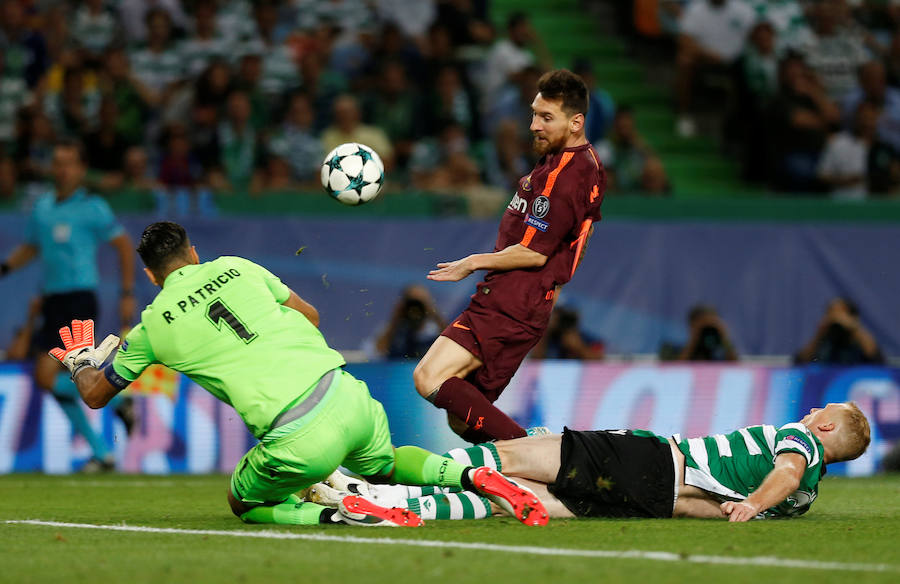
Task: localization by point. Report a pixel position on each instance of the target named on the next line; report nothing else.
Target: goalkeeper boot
(518, 501)
(323, 494)
(347, 484)
(356, 510)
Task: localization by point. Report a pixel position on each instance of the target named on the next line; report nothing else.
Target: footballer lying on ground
(754, 472)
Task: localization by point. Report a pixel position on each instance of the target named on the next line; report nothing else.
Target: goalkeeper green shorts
(346, 428)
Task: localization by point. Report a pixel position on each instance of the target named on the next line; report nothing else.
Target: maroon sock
(461, 399)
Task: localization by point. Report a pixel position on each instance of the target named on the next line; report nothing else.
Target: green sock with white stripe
(464, 505)
(478, 455)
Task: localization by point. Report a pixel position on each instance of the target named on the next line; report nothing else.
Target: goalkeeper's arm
(95, 389)
(303, 307)
(84, 361)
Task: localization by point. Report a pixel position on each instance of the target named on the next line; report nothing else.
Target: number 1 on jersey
(217, 312)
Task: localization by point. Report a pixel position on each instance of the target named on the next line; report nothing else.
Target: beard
(544, 145)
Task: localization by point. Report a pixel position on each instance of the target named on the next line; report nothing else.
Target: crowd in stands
(812, 87)
(185, 98)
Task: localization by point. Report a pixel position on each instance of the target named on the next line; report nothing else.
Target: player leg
(50, 376)
(439, 378)
(379, 462)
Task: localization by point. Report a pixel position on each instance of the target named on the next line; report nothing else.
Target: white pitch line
(766, 561)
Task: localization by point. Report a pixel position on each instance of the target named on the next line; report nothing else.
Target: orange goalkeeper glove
(79, 351)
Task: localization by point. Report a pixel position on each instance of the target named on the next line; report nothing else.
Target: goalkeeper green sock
(416, 466)
(293, 511)
(463, 505)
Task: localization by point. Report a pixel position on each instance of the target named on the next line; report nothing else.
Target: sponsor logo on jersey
(525, 183)
(518, 204)
(595, 192)
(540, 207)
(801, 442)
(536, 223)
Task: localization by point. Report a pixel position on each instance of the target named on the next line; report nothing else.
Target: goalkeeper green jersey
(223, 325)
(734, 465)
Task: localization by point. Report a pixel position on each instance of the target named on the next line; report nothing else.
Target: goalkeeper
(240, 333)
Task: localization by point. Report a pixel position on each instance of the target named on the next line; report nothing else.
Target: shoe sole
(394, 515)
(526, 507)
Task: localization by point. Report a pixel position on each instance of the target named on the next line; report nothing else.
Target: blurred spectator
(13, 95)
(708, 337)
(892, 61)
(239, 152)
(204, 130)
(214, 85)
(36, 149)
(757, 86)
(415, 324)
(712, 37)
(133, 14)
(295, 144)
(158, 65)
(630, 163)
(25, 50)
(137, 173)
(134, 100)
(840, 338)
(601, 107)
(509, 158)
(74, 110)
(447, 100)
(280, 72)
(788, 20)
(565, 340)
(105, 147)
(513, 102)
(348, 128)
(443, 163)
(522, 47)
(275, 176)
(180, 176)
(411, 17)
(874, 90)
(249, 80)
(843, 168)
(205, 43)
(801, 117)
(396, 109)
(466, 21)
(884, 168)
(94, 28)
(836, 49)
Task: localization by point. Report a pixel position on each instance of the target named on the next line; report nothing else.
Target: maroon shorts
(499, 342)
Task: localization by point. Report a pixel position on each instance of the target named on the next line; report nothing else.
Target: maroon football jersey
(551, 213)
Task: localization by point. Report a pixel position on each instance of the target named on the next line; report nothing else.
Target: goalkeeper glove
(79, 351)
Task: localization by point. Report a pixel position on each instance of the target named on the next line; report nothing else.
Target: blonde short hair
(855, 435)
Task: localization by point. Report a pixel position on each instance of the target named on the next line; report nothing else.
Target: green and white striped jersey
(734, 465)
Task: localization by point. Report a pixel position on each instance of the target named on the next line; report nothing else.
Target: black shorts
(59, 310)
(615, 474)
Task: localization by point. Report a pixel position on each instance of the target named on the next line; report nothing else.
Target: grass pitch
(852, 533)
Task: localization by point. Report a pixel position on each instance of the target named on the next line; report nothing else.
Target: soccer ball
(352, 173)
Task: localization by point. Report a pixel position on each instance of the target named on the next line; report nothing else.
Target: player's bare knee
(424, 380)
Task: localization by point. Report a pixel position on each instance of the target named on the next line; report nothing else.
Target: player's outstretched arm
(83, 361)
(514, 257)
(778, 484)
(303, 307)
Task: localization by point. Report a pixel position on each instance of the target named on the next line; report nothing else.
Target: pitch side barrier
(183, 429)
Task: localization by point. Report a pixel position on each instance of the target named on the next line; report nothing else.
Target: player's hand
(78, 349)
(451, 271)
(739, 510)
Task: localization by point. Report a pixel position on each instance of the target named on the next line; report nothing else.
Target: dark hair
(161, 242)
(699, 310)
(852, 306)
(515, 19)
(73, 144)
(567, 86)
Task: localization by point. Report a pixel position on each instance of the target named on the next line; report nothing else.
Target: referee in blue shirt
(65, 228)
